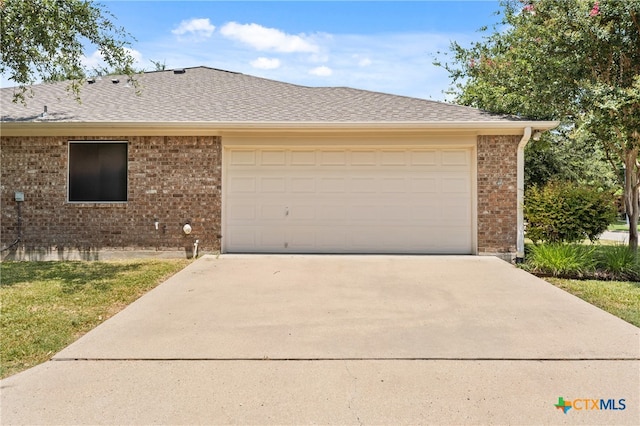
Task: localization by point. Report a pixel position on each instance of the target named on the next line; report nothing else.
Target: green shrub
(619, 260)
(567, 212)
(562, 259)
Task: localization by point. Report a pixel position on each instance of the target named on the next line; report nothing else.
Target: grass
(620, 225)
(585, 261)
(48, 305)
(615, 263)
(562, 259)
(620, 298)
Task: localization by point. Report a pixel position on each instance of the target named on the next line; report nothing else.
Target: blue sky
(386, 46)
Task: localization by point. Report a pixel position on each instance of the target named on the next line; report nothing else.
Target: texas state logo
(563, 405)
(586, 404)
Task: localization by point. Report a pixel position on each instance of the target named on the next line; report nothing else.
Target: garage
(356, 199)
(256, 165)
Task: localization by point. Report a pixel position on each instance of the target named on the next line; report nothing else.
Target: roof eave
(183, 128)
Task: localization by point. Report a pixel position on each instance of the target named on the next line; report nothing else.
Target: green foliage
(619, 298)
(619, 260)
(583, 261)
(47, 305)
(576, 61)
(559, 156)
(567, 212)
(562, 259)
(45, 39)
(159, 66)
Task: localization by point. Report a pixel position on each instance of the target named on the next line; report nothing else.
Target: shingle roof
(203, 94)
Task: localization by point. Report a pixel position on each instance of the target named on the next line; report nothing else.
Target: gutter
(213, 128)
(520, 194)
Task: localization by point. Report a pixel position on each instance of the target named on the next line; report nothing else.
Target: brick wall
(173, 179)
(497, 194)
(178, 179)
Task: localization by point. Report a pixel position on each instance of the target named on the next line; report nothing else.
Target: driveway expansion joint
(348, 359)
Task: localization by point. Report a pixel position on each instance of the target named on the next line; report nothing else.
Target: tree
(560, 156)
(577, 61)
(45, 40)
(159, 66)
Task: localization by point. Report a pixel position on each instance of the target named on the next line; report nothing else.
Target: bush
(567, 212)
(562, 259)
(620, 261)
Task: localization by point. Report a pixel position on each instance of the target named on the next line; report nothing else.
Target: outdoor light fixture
(186, 229)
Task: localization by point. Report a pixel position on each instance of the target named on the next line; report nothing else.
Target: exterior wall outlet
(19, 196)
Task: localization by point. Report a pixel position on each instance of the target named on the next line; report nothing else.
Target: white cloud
(321, 71)
(401, 63)
(95, 61)
(266, 63)
(200, 28)
(267, 39)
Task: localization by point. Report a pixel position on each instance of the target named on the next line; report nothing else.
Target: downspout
(520, 194)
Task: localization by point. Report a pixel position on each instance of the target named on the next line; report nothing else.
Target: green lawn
(48, 305)
(620, 298)
(620, 226)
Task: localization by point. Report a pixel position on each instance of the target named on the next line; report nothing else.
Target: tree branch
(635, 20)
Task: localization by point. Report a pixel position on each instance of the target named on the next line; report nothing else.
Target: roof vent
(115, 81)
(179, 71)
(91, 80)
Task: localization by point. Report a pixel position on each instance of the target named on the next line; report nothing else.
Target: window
(97, 171)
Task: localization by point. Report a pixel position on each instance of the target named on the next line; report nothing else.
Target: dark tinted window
(98, 171)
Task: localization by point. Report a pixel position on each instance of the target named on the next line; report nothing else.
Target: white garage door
(328, 200)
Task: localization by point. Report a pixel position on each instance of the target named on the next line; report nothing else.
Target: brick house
(254, 165)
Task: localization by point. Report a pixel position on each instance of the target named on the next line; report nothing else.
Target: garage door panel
(273, 237)
(426, 215)
(363, 185)
(242, 184)
(425, 185)
(341, 200)
(457, 185)
(332, 185)
(242, 237)
(330, 213)
(363, 213)
(242, 212)
(273, 212)
(333, 158)
(393, 158)
(391, 213)
(393, 185)
(424, 157)
(328, 240)
(302, 212)
(364, 158)
(273, 158)
(243, 158)
(303, 185)
(303, 157)
(273, 184)
(455, 157)
(301, 238)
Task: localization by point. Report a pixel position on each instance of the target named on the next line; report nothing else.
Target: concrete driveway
(342, 340)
